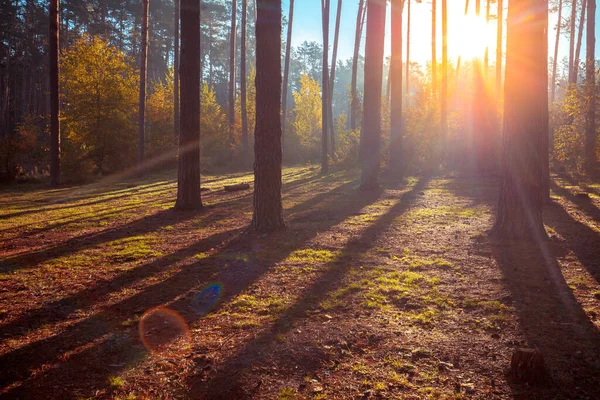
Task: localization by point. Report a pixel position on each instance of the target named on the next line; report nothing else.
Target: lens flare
(162, 329)
(207, 298)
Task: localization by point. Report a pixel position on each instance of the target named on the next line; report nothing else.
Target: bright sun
(469, 36)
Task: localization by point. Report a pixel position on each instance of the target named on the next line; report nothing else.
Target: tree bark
(499, 28)
(188, 177)
(579, 37)
(396, 88)
(433, 50)
(408, 54)
(374, 49)
(486, 56)
(332, 80)
(176, 70)
(519, 214)
(444, 94)
(555, 60)
(360, 17)
(143, 76)
(232, 41)
(286, 73)
(590, 75)
(325, 89)
(245, 149)
(54, 95)
(268, 210)
(572, 40)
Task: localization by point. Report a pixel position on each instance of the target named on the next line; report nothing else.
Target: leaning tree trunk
(519, 214)
(590, 75)
(325, 91)
(396, 88)
(286, 73)
(232, 73)
(268, 210)
(433, 50)
(143, 76)
(176, 70)
(555, 59)
(572, 40)
(332, 79)
(245, 150)
(374, 49)
(54, 95)
(579, 37)
(188, 177)
(357, 38)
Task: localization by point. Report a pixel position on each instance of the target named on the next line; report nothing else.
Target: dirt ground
(106, 292)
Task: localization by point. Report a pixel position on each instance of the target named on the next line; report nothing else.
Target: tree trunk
(396, 88)
(579, 37)
(519, 214)
(54, 95)
(590, 76)
(188, 177)
(286, 74)
(444, 100)
(360, 17)
(408, 54)
(232, 73)
(486, 61)
(245, 150)
(374, 49)
(433, 50)
(176, 71)
(572, 40)
(332, 80)
(500, 25)
(555, 60)
(325, 90)
(143, 75)
(268, 210)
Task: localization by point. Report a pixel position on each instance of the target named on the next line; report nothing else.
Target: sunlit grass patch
(133, 248)
(415, 262)
(116, 381)
(313, 256)
(449, 212)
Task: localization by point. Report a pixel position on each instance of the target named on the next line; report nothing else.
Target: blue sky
(307, 26)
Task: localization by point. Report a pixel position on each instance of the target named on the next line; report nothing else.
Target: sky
(461, 40)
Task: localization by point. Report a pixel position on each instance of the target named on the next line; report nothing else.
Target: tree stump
(527, 366)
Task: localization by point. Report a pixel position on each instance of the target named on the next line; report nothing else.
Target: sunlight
(469, 37)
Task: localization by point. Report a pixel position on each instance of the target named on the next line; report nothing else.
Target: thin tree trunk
(360, 18)
(232, 48)
(143, 76)
(286, 73)
(579, 37)
(54, 95)
(486, 61)
(325, 91)
(519, 214)
(268, 210)
(500, 25)
(572, 40)
(555, 60)
(245, 150)
(408, 53)
(188, 177)
(590, 75)
(374, 50)
(433, 49)
(444, 100)
(396, 88)
(176, 70)
(332, 80)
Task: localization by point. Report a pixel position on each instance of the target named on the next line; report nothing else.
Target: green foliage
(100, 95)
(214, 141)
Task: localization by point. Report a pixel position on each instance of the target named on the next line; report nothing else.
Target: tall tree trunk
(433, 50)
(579, 37)
(572, 40)
(590, 76)
(499, 27)
(325, 91)
(188, 177)
(519, 214)
(555, 59)
(360, 18)
(176, 70)
(444, 100)
(374, 49)
(332, 80)
(268, 210)
(408, 53)
(232, 48)
(486, 60)
(245, 150)
(286, 73)
(143, 76)
(54, 95)
(396, 88)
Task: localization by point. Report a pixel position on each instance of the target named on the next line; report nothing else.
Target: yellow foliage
(307, 123)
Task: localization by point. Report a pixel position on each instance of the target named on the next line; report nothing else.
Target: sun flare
(469, 37)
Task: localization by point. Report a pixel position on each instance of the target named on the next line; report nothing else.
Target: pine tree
(54, 95)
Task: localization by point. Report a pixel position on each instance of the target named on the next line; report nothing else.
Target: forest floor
(106, 292)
